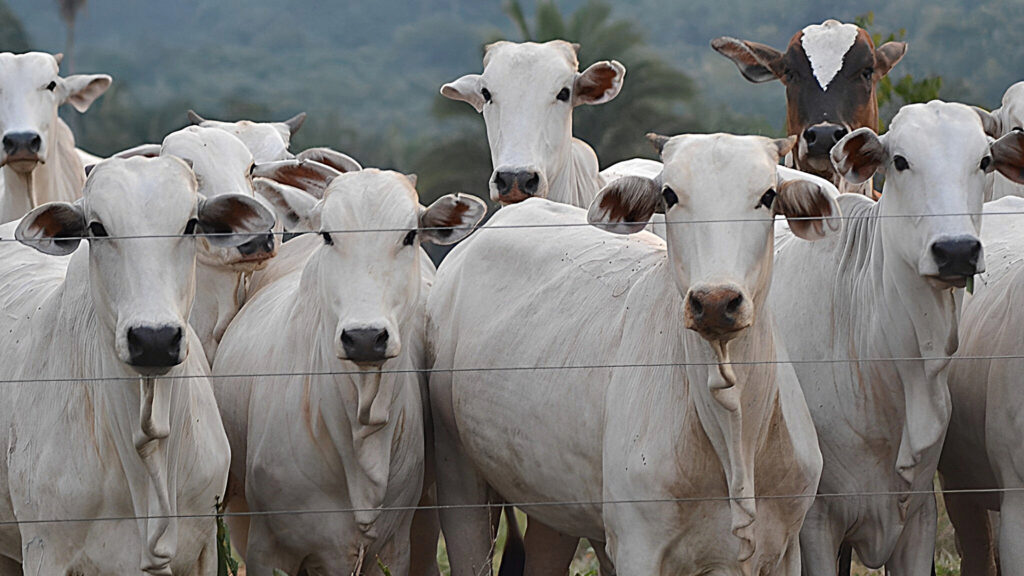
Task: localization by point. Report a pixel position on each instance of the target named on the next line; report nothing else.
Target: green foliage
(226, 563)
(383, 567)
(279, 572)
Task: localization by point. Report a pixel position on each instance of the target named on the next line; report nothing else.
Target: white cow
(40, 163)
(576, 296)
(1009, 117)
(983, 448)
(527, 93)
(140, 436)
(886, 288)
(354, 308)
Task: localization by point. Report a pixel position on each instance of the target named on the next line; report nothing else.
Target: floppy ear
(888, 55)
(808, 207)
(82, 89)
(991, 121)
(233, 219)
(54, 228)
(451, 218)
(1008, 156)
(858, 155)
(308, 175)
(599, 83)
(298, 210)
(626, 205)
(785, 145)
(340, 162)
(147, 150)
(466, 89)
(757, 62)
(295, 122)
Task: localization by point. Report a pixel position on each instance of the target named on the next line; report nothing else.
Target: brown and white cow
(830, 71)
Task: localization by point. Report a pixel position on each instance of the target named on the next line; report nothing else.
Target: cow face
(830, 72)
(32, 91)
(368, 281)
(935, 158)
(267, 141)
(140, 216)
(526, 94)
(720, 194)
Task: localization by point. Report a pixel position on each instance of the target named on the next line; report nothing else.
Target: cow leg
(914, 554)
(973, 534)
(790, 563)
(395, 555)
(426, 527)
(264, 554)
(9, 567)
(548, 552)
(1011, 533)
(607, 567)
(238, 526)
(820, 540)
(637, 552)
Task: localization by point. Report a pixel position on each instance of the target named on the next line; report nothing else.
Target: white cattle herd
(736, 394)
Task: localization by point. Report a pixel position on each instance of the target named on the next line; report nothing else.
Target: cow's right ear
(55, 228)
(341, 162)
(858, 155)
(308, 175)
(1008, 156)
(466, 89)
(626, 205)
(299, 211)
(757, 62)
(230, 220)
(991, 121)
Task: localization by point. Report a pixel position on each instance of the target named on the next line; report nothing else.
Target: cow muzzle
(21, 150)
(153, 350)
(258, 249)
(367, 346)
(956, 259)
(717, 312)
(816, 143)
(510, 186)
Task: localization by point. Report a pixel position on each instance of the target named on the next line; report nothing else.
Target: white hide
(85, 449)
(826, 45)
(870, 293)
(577, 296)
(27, 104)
(1007, 118)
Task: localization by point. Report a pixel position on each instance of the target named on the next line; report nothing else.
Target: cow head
(268, 141)
(32, 92)
(830, 71)
(140, 216)
(935, 158)
(527, 93)
(368, 282)
(720, 194)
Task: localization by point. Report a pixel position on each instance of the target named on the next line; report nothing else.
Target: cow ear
(599, 83)
(340, 162)
(195, 119)
(466, 89)
(783, 146)
(626, 205)
(888, 55)
(858, 155)
(295, 122)
(147, 150)
(233, 219)
(83, 89)
(308, 175)
(990, 121)
(298, 210)
(451, 218)
(757, 62)
(55, 228)
(1008, 156)
(808, 207)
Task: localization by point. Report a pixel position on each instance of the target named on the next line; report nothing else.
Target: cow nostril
(501, 182)
(810, 136)
(531, 184)
(695, 305)
(346, 338)
(839, 133)
(382, 339)
(35, 143)
(8, 144)
(734, 305)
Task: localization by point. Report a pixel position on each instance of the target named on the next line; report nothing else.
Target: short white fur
(826, 45)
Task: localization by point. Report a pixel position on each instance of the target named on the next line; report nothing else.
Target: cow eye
(563, 95)
(97, 230)
(868, 72)
(52, 85)
(190, 228)
(327, 238)
(1017, 129)
(670, 197)
(900, 163)
(766, 199)
(986, 162)
(486, 94)
(410, 237)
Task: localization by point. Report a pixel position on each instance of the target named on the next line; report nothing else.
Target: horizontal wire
(486, 226)
(509, 369)
(539, 504)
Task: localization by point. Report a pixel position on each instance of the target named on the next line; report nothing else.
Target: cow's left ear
(626, 205)
(341, 162)
(307, 175)
(55, 228)
(298, 210)
(808, 207)
(991, 121)
(858, 155)
(757, 62)
(1008, 156)
(233, 219)
(888, 55)
(599, 83)
(82, 89)
(451, 218)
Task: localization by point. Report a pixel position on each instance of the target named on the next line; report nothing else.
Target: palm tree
(68, 13)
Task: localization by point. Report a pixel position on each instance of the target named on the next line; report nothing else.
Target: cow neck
(356, 411)
(60, 179)
(144, 418)
(576, 181)
(893, 313)
(220, 294)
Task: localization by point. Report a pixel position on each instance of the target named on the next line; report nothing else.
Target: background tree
(12, 34)
(69, 13)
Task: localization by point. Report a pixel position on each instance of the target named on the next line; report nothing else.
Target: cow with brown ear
(831, 71)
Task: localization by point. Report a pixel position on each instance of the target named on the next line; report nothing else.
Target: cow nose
(717, 312)
(516, 186)
(820, 138)
(27, 143)
(365, 345)
(957, 257)
(154, 347)
(258, 244)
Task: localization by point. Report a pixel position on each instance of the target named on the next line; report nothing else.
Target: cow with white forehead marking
(527, 93)
(40, 163)
(830, 71)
